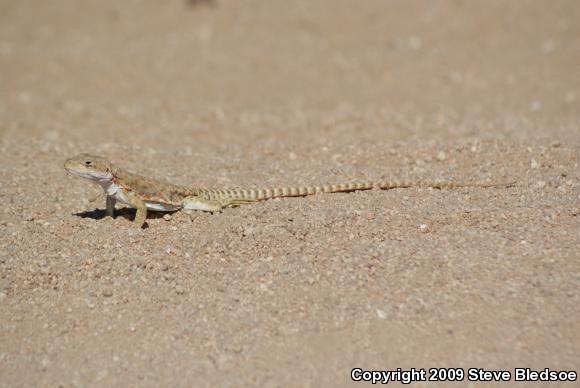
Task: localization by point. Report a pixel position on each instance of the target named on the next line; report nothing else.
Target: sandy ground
(292, 292)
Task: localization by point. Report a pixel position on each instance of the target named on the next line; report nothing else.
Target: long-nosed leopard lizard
(145, 193)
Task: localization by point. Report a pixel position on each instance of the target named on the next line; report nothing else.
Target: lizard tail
(240, 196)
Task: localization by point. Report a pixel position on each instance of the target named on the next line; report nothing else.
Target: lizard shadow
(126, 212)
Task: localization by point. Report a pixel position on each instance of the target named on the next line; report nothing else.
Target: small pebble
(533, 164)
(4, 284)
(424, 228)
(44, 364)
(167, 217)
(381, 314)
(179, 290)
(548, 46)
(415, 43)
(441, 156)
(107, 292)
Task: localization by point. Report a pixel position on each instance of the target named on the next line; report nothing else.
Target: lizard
(144, 193)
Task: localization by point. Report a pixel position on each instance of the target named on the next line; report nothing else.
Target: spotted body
(145, 193)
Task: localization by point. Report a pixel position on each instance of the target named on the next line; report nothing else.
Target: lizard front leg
(138, 204)
(110, 212)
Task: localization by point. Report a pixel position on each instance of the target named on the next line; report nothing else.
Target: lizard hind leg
(138, 204)
(238, 202)
(197, 203)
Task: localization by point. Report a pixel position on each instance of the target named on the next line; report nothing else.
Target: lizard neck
(109, 186)
(111, 183)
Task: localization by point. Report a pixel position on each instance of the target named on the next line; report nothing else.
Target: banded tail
(255, 195)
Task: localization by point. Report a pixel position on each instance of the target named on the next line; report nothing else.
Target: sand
(290, 292)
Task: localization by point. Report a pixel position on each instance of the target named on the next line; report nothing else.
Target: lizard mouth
(89, 175)
(82, 175)
(70, 171)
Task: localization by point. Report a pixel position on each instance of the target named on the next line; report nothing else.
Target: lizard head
(90, 167)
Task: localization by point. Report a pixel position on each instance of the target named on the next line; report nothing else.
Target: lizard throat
(103, 180)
